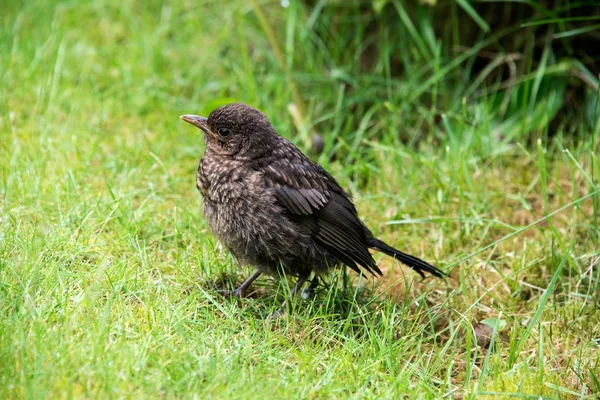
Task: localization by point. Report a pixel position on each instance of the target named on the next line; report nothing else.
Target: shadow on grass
(341, 302)
(335, 293)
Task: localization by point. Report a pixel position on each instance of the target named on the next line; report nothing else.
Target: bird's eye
(223, 132)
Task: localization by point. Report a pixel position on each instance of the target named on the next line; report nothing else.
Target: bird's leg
(297, 286)
(310, 290)
(241, 291)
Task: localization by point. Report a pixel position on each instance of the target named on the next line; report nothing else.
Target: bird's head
(235, 130)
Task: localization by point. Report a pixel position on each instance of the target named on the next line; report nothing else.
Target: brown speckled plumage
(275, 209)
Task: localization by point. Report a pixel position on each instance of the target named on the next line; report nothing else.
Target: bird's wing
(298, 187)
(307, 191)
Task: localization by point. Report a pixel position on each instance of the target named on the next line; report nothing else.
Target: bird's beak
(200, 122)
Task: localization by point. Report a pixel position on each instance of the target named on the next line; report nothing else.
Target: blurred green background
(467, 133)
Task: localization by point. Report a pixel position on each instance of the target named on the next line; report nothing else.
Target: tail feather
(413, 262)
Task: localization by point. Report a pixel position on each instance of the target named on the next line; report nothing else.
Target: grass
(109, 277)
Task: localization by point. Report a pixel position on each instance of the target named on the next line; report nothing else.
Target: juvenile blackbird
(275, 209)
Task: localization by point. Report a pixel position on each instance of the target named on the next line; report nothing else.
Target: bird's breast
(242, 212)
(234, 195)
(227, 182)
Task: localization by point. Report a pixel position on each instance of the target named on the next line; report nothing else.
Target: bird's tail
(415, 263)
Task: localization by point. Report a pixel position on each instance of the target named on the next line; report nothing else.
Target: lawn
(110, 280)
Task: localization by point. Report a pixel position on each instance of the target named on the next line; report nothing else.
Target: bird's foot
(310, 290)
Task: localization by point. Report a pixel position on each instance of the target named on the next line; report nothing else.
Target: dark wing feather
(299, 187)
(306, 190)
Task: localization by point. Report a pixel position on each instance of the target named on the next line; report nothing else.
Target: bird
(275, 209)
